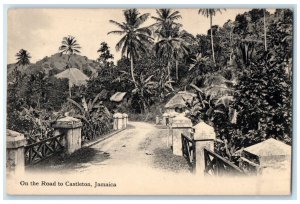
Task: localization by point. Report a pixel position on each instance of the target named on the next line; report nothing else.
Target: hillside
(57, 63)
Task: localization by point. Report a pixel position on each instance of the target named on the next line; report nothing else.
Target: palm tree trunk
(265, 31)
(169, 73)
(131, 69)
(70, 94)
(176, 65)
(70, 86)
(212, 40)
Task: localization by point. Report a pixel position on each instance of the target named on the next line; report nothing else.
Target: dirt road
(141, 145)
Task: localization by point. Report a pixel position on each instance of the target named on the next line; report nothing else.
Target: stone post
(71, 127)
(165, 119)
(118, 121)
(171, 116)
(125, 120)
(115, 126)
(267, 157)
(180, 124)
(204, 136)
(15, 152)
(157, 120)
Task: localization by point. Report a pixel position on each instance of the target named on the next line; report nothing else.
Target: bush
(96, 118)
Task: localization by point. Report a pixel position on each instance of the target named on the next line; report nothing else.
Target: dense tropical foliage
(241, 73)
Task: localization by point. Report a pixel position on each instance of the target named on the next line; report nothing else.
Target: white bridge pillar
(204, 137)
(72, 128)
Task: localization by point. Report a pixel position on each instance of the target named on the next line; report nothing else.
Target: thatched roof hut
(179, 100)
(75, 76)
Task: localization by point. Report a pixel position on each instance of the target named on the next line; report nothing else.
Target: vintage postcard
(156, 101)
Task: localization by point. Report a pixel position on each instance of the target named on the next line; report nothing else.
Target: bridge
(135, 160)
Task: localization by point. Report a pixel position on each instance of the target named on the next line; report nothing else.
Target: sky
(40, 31)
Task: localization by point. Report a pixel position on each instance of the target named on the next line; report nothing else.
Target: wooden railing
(189, 151)
(217, 165)
(41, 150)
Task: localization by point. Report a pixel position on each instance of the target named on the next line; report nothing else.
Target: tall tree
(135, 40)
(165, 16)
(258, 16)
(23, 57)
(70, 47)
(166, 20)
(104, 53)
(209, 13)
(173, 43)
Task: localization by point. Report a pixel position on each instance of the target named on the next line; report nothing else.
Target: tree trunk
(70, 85)
(212, 40)
(131, 69)
(68, 64)
(265, 31)
(169, 73)
(145, 107)
(176, 65)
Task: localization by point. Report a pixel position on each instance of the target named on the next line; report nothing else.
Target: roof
(118, 96)
(270, 147)
(177, 101)
(75, 76)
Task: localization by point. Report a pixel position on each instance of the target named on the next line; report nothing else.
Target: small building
(179, 101)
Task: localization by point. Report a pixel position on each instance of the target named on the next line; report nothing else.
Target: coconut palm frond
(23, 57)
(69, 45)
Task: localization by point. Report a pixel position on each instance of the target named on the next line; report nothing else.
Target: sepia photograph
(149, 101)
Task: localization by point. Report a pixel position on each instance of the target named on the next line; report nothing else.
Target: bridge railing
(43, 149)
(217, 165)
(189, 151)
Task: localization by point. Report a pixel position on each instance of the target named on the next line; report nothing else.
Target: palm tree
(23, 57)
(173, 42)
(135, 40)
(209, 13)
(181, 48)
(165, 16)
(69, 46)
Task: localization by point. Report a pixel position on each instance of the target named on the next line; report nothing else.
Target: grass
(165, 159)
(162, 156)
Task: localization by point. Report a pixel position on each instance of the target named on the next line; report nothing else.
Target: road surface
(141, 145)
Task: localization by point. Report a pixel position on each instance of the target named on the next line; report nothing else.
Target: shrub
(96, 118)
